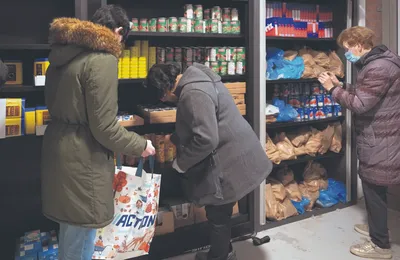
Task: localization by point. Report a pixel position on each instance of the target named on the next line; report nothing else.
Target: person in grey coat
(218, 154)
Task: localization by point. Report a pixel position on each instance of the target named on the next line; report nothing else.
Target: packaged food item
(286, 209)
(160, 148)
(226, 14)
(314, 171)
(314, 143)
(310, 195)
(162, 24)
(336, 145)
(169, 149)
(189, 13)
(235, 27)
(272, 152)
(207, 14)
(300, 137)
(285, 175)
(336, 65)
(144, 25)
(183, 25)
(326, 140)
(14, 127)
(199, 26)
(226, 27)
(216, 13)
(278, 189)
(293, 191)
(271, 204)
(198, 12)
(173, 24)
(234, 14)
(285, 148)
(135, 25)
(30, 121)
(15, 107)
(42, 116)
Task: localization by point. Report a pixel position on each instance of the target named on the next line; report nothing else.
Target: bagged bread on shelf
(317, 70)
(300, 137)
(336, 145)
(285, 147)
(336, 65)
(290, 55)
(321, 59)
(308, 73)
(286, 210)
(271, 204)
(312, 185)
(272, 152)
(278, 189)
(314, 143)
(326, 140)
(310, 195)
(299, 151)
(293, 191)
(285, 175)
(314, 171)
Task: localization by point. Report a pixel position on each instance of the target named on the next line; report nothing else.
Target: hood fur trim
(84, 34)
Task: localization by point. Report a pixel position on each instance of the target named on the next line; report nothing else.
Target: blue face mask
(351, 57)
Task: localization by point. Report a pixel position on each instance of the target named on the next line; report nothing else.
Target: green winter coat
(78, 146)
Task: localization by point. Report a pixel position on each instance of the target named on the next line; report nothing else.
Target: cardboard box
(183, 215)
(200, 215)
(165, 222)
(158, 116)
(236, 87)
(130, 120)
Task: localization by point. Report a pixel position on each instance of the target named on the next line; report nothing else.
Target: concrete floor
(326, 237)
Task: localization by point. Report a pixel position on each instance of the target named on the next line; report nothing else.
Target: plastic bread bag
(300, 137)
(278, 189)
(285, 147)
(271, 204)
(314, 143)
(312, 196)
(336, 65)
(293, 191)
(286, 209)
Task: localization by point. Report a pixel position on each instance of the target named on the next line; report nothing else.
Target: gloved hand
(176, 167)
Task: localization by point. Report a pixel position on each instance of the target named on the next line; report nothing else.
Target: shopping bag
(136, 206)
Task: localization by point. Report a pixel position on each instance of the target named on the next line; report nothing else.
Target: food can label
(169, 54)
(226, 14)
(240, 67)
(190, 25)
(234, 14)
(144, 25)
(216, 13)
(160, 55)
(189, 11)
(199, 26)
(135, 25)
(173, 24)
(221, 55)
(231, 68)
(300, 114)
(241, 54)
(215, 66)
(207, 14)
(178, 54)
(226, 27)
(214, 25)
(235, 27)
(198, 12)
(187, 54)
(182, 24)
(223, 68)
(162, 24)
(320, 100)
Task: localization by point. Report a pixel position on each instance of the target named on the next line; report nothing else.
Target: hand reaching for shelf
(150, 150)
(326, 81)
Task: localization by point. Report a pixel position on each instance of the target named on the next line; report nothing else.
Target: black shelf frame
(306, 158)
(184, 35)
(277, 38)
(286, 81)
(34, 46)
(274, 126)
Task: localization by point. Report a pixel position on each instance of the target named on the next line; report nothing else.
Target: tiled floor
(326, 237)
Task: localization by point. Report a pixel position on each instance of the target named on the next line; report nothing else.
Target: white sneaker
(370, 250)
(363, 229)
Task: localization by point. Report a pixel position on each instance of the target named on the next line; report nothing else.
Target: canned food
(207, 14)
(233, 56)
(190, 25)
(300, 114)
(226, 27)
(226, 14)
(320, 100)
(207, 64)
(221, 54)
(240, 54)
(153, 25)
(234, 14)
(235, 27)
(197, 55)
(216, 13)
(328, 111)
(214, 66)
(294, 101)
(306, 113)
(320, 114)
(211, 54)
(240, 67)
(160, 55)
(199, 26)
(135, 25)
(144, 25)
(315, 89)
(328, 100)
(169, 54)
(231, 68)
(189, 11)
(305, 100)
(313, 101)
(173, 24)
(182, 24)
(214, 26)
(162, 25)
(337, 110)
(178, 54)
(187, 54)
(223, 68)
(198, 12)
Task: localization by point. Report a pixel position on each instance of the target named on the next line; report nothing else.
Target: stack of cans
(311, 101)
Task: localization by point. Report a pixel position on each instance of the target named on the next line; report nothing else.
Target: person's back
(83, 135)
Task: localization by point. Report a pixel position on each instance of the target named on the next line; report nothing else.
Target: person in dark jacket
(218, 152)
(375, 102)
(79, 143)
(3, 73)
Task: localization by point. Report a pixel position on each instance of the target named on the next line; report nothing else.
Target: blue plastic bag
(326, 200)
(337, 189)
(286, 112)
(279, 68)
(300, 206)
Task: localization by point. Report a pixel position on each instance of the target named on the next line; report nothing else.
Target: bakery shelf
(302, 123)
(184, 35)
(306, 158)
(315, 212)
(274, 38)
(20, 88)
(24, 46)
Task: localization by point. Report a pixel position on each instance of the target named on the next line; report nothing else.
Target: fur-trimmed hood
(70, 36)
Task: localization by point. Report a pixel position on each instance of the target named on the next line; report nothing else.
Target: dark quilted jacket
(375, 101)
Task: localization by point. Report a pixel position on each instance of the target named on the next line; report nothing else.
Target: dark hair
(112, 17)
(162, 77)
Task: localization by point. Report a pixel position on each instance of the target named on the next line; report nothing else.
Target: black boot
(204, 256)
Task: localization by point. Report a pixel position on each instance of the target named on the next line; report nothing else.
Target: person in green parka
(79, 143)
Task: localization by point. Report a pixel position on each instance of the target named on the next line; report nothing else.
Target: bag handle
(139, 171)
(118, 162)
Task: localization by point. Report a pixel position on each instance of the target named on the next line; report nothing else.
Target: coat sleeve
(198, 110)
(101, 93)
(368, 93)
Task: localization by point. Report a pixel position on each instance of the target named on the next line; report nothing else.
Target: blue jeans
(76, 243)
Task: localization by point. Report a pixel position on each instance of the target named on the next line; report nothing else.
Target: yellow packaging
(42, 116)
(14, 127)
(30, 121)
(14, 76)
(126, 53)
(15, 107)
(138, 45)
(135, 51)
(40, 67)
